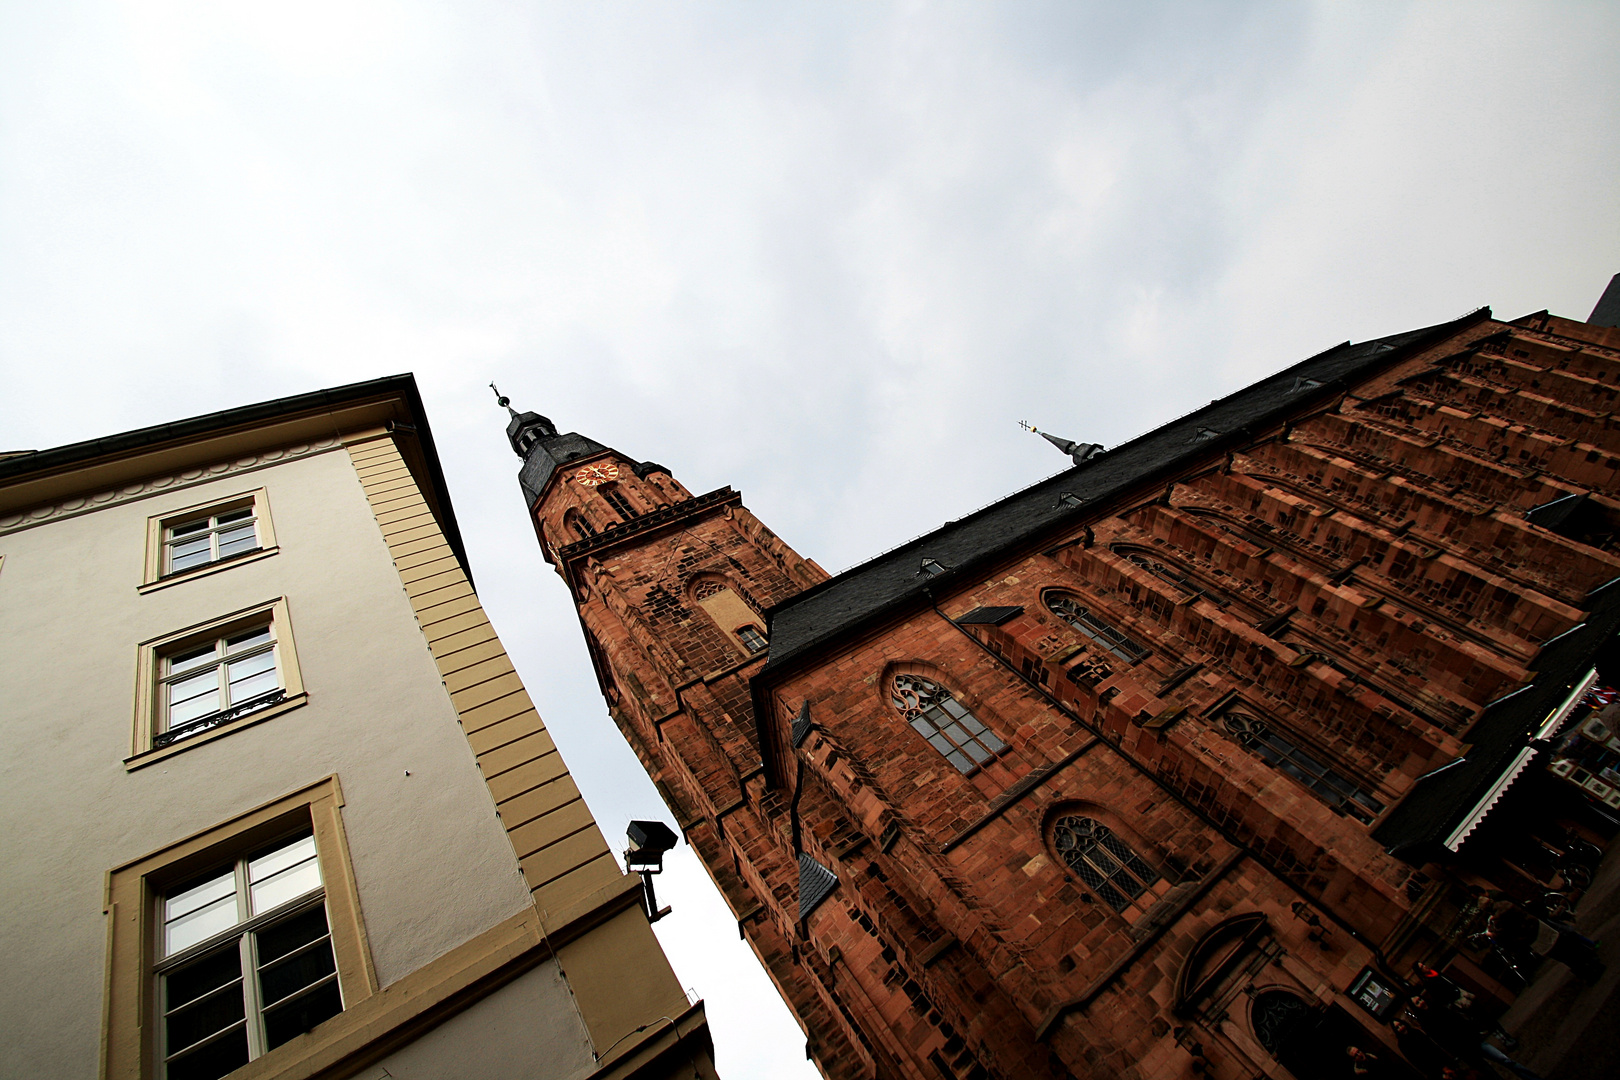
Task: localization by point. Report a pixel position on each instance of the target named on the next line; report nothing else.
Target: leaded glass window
(1103, 861)
(1078, 616)
(949, 726)
(1283, 754)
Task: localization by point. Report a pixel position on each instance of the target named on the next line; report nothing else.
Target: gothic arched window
(576, 521)
(1103, 861)
(1078, 616)
(1283, 754)
(616, 499)
(948, 725)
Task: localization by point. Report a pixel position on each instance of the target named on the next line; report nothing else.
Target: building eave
(39, 477)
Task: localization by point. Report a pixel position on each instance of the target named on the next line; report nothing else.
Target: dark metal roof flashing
(866, 594)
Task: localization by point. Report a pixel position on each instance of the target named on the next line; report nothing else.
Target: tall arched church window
(731, 613)
(1283, 754)
(949, 726)
(616, 499)
(1097, 629)
(1103, 861)
(577, 523)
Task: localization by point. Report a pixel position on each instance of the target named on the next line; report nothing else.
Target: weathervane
(501, 399)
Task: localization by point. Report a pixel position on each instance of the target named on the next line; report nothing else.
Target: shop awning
(1445, 807)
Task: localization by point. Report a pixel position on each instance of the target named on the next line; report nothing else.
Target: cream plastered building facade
(363, 717)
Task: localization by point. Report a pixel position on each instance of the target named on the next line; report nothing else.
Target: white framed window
(752, 637)
(197, 540)
(211, 538)
(205, 684)
(214, 677)
(246, 960)
(225, 945)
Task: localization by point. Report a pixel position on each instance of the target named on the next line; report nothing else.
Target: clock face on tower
(592, 475)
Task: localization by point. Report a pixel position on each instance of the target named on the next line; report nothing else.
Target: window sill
(147, 757)
(206, 569)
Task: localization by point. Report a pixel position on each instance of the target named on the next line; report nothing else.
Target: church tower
(671, 590)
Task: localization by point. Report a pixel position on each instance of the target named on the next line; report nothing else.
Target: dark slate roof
(1607, 311)
(1557, 514)
(547, 455)
(815, 883)
(1437, 803)
(865, 593)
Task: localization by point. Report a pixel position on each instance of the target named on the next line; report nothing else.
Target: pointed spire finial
(1079, 452)
(502, 400)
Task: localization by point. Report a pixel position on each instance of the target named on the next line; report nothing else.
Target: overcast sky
(828, 254)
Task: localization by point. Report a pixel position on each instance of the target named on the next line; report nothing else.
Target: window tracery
(949, 726)
(1098, 630)
(576, 521)
(616, 499)
(1283, 754)
(1107, 864)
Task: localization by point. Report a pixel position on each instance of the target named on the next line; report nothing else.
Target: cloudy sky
(829, 254)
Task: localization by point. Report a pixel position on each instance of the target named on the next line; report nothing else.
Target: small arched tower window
(1103, 861)
(616, 499)
(948, 725)
(1099, 630)
(577, 523)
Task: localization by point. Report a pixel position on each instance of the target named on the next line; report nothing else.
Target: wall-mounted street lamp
(645, 856)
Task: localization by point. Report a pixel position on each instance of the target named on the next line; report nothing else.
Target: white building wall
(432, 864)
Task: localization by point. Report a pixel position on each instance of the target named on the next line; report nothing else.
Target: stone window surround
(153, 577)
(134, 892)
(148, 686)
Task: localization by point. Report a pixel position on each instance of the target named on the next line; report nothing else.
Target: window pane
(288, 854)
(234, 543)
(189, 554)
(253, 676)
(189, 527)
(993, 741)
(284, 978)
(290, 935)
(207, 1016)
(234, 515)
(183, 903)
(960, 760)
(298, 1016)
(957, 735)
(1112, 897)
(205, 700)
(190, 658)
(247, 639)
(205, 922)
(212, 1061)
(291, 883)
(219, 968)
(978, 753)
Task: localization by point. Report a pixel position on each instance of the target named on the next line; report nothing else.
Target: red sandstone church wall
(1361, 578)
